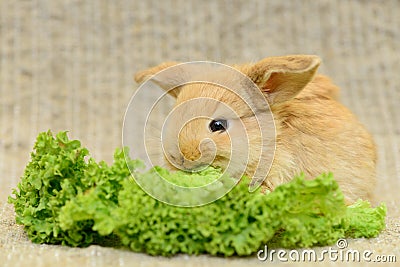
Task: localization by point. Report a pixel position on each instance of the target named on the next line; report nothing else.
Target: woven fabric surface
(69, 65)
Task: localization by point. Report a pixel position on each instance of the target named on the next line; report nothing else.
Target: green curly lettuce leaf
(64, 197)
(364, 221)
(52, 177)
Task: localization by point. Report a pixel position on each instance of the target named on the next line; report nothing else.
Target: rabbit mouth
(196, 166)
(188, 167)
(181, 163)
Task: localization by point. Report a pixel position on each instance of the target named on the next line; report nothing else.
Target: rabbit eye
(218, 125)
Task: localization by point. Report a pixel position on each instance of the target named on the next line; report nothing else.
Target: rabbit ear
(164, 80)
(282, 78)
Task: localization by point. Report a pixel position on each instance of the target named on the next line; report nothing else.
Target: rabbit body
(314, 132)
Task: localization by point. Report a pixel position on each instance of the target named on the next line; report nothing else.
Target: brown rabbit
(314, 132)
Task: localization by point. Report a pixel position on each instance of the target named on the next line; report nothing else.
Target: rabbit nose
(193, 157)
(197, 163)
(191, 153)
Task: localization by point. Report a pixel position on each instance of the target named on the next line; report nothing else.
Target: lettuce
(66, 197)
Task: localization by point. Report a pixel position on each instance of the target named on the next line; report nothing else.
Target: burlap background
(68, 65)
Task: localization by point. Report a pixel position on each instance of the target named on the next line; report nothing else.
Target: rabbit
(315, 133)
